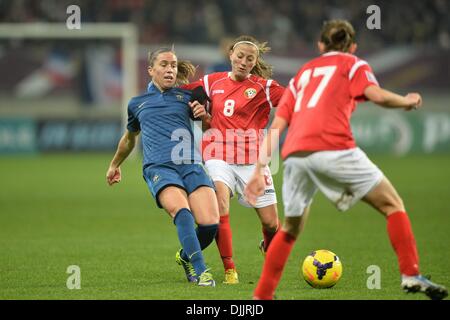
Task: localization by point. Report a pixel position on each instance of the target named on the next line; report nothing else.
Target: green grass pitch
(57, 211)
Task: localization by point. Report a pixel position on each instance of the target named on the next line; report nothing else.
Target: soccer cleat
(187, 266)
(206, 279)
(231, 277)
(261, 248)
(422, 284)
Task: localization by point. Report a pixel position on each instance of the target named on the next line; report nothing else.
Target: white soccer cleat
(422, 284)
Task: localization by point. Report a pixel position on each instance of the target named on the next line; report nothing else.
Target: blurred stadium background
(62, 111)
(66, 94)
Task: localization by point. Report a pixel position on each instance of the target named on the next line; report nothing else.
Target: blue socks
(185, 224)
(205, 234)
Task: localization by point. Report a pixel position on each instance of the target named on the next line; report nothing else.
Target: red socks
(276, 258)
(225, 243)
(402, 239)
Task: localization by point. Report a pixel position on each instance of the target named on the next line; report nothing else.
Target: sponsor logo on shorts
(155, 178)
(269, 191)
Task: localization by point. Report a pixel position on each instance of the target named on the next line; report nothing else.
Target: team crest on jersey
(250, 93)
(179, 97)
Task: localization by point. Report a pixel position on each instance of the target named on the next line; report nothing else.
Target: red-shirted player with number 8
(320, 154)
(240, 106)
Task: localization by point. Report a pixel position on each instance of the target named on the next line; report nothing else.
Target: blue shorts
(188, 177)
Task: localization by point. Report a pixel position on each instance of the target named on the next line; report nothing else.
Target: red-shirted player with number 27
(320, 153)
(240, 106)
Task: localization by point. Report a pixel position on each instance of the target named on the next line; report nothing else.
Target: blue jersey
(164, 119)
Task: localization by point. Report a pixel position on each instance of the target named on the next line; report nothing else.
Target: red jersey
(240, 111)
(319, 101)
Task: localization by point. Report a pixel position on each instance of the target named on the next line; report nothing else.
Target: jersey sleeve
(287, 102)
(275, 92)
(133, 124)
(204, 83)
(361, 76)
(192, 85)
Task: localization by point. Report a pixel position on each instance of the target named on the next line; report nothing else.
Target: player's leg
(224, 181)
(266, 204)
(203, 202)
(224, 237)
(278, 254)
(298, 192)
(204, 206)
(386, 200)
(270, 224)
(167, 187)
(175, 201)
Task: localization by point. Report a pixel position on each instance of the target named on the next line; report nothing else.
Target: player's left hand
(255, 188)
(198, 110)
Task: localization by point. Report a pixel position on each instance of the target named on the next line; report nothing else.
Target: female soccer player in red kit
(320, 153)
(240, 106)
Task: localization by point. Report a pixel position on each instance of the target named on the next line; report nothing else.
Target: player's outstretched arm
(124, 148)
(388, 99)
(256, 185)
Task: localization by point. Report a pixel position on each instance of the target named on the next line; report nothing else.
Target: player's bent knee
(208, 221)
(173, 210)
(208, 217)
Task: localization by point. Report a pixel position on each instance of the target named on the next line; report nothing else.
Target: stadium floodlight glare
(126, 32)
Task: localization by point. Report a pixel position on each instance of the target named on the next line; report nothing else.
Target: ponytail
(337, 35)
(186, 70)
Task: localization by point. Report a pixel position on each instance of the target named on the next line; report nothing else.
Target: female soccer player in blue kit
(178, 183)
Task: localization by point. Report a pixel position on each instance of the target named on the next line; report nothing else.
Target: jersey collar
(151, 88)
(331, 53)
(229, 76)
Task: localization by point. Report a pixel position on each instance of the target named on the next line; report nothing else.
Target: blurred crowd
(288, 25)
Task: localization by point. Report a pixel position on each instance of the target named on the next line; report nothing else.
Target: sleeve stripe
(292, 88)
(355, 67)
(269, 82)
(206, 84)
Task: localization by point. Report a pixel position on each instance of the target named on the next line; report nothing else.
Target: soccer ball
(322, 269)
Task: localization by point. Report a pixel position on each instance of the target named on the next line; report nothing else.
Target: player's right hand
(255, 188)
(415, 101)
(113, 175)
(198, 110)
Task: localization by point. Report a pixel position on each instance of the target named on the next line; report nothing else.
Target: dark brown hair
(337, 35)
(262, 68)
(185, 68)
